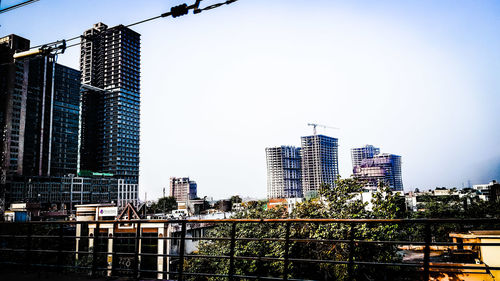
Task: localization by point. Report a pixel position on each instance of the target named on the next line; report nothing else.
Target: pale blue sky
(415, 78)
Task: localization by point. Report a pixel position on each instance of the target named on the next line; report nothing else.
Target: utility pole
(164, 210)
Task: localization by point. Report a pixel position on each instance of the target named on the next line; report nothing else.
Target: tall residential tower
(283, 172)
(39, 111)
(110, 65)
(319, 162)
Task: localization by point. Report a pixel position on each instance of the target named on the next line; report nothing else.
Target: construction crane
(314, 125)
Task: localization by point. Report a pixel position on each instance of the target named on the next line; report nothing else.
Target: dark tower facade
(13, 95)
(39, 114)
(110, 66)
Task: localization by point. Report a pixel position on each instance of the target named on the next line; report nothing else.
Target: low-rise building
(491, 191)
(64, 193)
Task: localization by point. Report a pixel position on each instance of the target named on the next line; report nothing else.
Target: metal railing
(52, 245)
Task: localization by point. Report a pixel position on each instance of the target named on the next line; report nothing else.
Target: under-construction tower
(319, 162)
(283, 172)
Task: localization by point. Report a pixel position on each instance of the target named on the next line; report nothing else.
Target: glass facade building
(39, 105)
(110, 61)
(283, 172)
(65, 120)
(64, 191)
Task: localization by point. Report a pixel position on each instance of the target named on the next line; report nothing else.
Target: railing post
(60, 247)
(259, 259)
(287, 245)
(182, 247)
(231, 252)
(427, 250)
(136, 252)
(95, 245)
(28, 246)
(350, 266)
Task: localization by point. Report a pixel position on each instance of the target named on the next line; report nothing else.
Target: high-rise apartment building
(183, 189)
(367, 151)
(110, 65)
(13, 95)
(319, 162)
(39, 105)
(283, 172)
(40, 109)
(383, 168)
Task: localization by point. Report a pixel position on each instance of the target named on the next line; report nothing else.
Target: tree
(164, 204)
(235, 199)
(339, 201)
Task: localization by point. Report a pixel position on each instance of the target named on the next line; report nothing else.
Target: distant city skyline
(419, 79)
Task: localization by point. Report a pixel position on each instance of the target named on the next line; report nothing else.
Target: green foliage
(236, 199)
(164, 204)
(243, 248)
(341, 201)
(467, 206)
(452, 207)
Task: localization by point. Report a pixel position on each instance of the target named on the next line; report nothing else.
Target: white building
(489, 190)
(127, 193)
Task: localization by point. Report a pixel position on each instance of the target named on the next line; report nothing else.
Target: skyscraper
(40, 108)
(283, 172)
(384, 168)
(64, 122)
(50, 145)
(367, 151)
(39, 114)
(183, 189)
(110, 65)
(13, 94)
(319, 162)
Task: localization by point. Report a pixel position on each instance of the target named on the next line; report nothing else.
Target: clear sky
(416, 78)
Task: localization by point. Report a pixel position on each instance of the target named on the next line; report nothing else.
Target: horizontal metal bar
(279, 239)
(355, 221)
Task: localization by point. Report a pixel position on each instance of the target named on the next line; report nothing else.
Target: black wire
(143, 21)
(193, 7)
(76, 44)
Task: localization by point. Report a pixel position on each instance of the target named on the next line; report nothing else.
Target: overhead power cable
(15, 6)
(174, 12)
